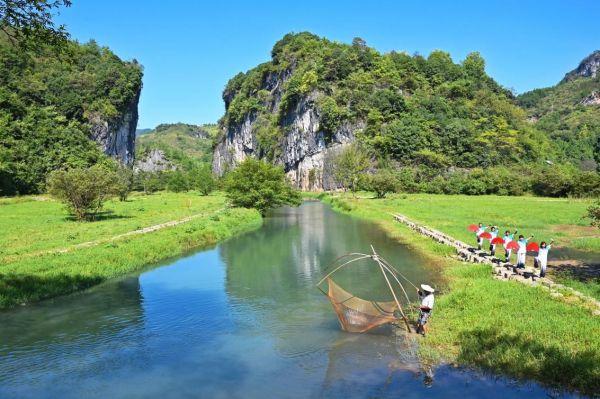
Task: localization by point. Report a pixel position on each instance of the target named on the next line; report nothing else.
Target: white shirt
(543, 253)
(427, 301)
(507, 239)
(480, 230)
(494, 234)
(522, 246)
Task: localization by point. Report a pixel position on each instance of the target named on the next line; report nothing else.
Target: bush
(382, 182)
(349, 165)
(406, 180)
(83, 190)
(124, 182)
(555, 182)
(586, 184)
(594, 214)
(257, 184)
(178, 182)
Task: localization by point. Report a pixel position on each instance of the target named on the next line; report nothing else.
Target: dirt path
(502, 270)
(144, 230)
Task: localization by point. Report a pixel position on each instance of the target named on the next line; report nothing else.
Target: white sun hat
(427, 288)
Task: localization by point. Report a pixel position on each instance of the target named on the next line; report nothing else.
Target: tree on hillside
(257, 184)
(349, 165)
(29, 22)
(83, 190)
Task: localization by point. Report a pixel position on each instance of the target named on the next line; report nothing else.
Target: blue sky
(190, 49)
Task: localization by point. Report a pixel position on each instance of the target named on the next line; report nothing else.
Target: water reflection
(242, 320)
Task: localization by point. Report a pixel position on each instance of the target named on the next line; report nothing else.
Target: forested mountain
(175, 145)
(316, 95)
(62, 108)
(569, 113)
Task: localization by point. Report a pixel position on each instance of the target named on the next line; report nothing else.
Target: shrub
(178, 182)
(382, 182)
(83, 191)
(257, 184)
(124, 182)
(586, 184)
(594, 214)
(555, 182)
(349, 165)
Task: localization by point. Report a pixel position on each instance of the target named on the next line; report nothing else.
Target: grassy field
(561, 219)
(33, 227)
(501, 326)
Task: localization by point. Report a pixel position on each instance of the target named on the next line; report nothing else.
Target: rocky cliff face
(117, 137)
(153, 161)
(305, 151)
(588, 68)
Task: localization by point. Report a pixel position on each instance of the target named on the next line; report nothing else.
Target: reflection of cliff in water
(272, 273)
(79, 322)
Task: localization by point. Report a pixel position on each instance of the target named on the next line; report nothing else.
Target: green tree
(203, 180)
(178, 182)
(257, 184)
(383, 182)
(349, 165)
(83, 190)
(124, 182)
(30, 22)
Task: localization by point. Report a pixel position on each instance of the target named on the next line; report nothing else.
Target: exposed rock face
(305, 150)
(117, 138)
(154, 161)
(592, 99)
(588, 68)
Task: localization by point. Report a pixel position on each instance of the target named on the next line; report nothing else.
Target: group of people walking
(540, 260)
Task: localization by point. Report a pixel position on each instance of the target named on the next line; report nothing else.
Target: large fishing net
(357, 314)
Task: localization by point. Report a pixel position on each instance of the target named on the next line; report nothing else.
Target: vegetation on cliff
(569, 113)
(49, 100)
(184, 145)
(411, 106)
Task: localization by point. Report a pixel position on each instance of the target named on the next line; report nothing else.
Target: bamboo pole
(376, 258)
(364, 256)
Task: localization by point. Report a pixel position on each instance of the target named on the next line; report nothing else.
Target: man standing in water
(426, 295)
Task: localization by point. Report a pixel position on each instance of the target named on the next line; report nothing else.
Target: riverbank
(45, 253)
(501, 326)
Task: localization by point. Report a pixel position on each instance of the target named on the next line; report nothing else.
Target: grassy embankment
(501, 326)
(34, 229)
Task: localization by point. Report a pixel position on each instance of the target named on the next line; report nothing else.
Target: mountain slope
(316, 96)
(62, 110)
(175, 145)
(569, 113)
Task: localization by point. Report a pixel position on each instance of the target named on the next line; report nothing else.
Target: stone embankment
(500, 269)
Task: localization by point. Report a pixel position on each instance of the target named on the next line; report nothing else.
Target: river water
(241, 320)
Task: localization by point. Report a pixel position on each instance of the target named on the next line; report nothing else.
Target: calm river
(242, 320)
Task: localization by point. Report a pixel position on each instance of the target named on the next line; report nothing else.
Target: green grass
(26, 278)
(34, 224)
(546, 218)
(502, 326)
(561, 219)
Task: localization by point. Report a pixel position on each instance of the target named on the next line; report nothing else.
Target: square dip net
(357, 314)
